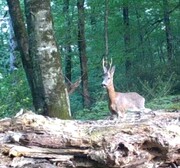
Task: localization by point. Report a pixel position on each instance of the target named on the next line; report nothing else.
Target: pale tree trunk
(169, 37)
(12, 46)
(48, 78)
(82, 52)
(106, 13)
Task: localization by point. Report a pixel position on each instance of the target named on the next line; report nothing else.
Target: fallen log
(31, 140)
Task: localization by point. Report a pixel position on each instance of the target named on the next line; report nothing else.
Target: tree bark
(13, 47)
(22, 39)
(140, 36)
(128, 62)
(106, 14)
(82, 52)
(31, 140)
(50, 94)
(169, 37)
(68, 50)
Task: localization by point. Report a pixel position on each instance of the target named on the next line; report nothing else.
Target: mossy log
(31, 140)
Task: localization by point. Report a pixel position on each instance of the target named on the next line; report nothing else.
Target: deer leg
(149, 111)
(123, 116)
(120, 115)
(138, 114)
(115, 117)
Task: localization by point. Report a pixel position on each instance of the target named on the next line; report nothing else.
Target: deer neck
(111, 93)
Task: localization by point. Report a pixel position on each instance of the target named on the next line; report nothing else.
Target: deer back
(131, 101)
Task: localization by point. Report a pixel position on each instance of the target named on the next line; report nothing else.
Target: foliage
(15, 93)
(4, 62)
(98, 111)
(167, 102)
(160, 88)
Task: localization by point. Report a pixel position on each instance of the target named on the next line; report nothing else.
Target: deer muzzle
(103, 85)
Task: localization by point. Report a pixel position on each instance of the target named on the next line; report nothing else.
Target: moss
(59, 111)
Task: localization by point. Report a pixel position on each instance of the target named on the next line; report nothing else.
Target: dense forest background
(142, 38)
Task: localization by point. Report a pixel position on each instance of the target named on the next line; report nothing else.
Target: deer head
(108, 73)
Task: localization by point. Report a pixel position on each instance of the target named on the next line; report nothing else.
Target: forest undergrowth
(15, 94)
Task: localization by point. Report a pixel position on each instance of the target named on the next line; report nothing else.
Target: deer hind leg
(138, 115)
(146, 110)
(149, 111)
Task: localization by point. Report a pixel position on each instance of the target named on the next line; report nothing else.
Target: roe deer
(119, 102)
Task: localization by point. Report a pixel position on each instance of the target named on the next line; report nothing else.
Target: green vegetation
(98, 111)
(171, 103)
(15, 94)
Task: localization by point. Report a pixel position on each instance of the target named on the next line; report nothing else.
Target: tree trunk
(169, 37)
(22, 40)
(12, 46)
(68, 50)
(50, 94)
(31, 140)
(93, 18)
(128, 62)
(140, 35)
(106, 14)
(82, 52)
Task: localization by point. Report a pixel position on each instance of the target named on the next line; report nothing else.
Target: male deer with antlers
(119, 102)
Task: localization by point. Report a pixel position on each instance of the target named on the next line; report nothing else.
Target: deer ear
(112, 70)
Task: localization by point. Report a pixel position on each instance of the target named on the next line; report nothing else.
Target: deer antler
(110, 64)
(106, 65)
(104, 62)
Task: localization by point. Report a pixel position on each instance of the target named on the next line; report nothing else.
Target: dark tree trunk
(169, 38)
(93, 18)
(140, 35)
(106, 13)
(68, 50)
(82, 52)
(52, 98)
(68, 63)
(128, 62)
(22, 40)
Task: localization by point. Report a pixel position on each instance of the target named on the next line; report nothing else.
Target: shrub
(15, 93)
(98, 111)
